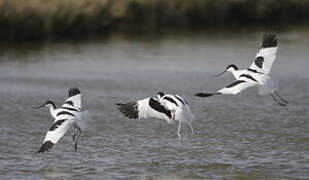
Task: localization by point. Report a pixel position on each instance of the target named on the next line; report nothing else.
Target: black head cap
(160, 94)
(45, 104)
(232, 66)
(51, 103)
(48, 102)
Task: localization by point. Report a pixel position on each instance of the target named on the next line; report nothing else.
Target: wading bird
(256, 75)
(163, 106)
(65, 116)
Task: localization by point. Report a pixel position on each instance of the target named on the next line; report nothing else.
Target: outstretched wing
(235, 87)
(142, 109)
(129, 110)
(63, 122)
(266, 55)
(181, 99)
(170, 102)
(74, 98)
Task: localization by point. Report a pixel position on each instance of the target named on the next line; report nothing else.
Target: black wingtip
(73, 91)
(269, 40)
(129, 110)
(199, 94)
(46, 146)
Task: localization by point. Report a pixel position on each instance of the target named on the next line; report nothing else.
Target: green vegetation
(49, 19)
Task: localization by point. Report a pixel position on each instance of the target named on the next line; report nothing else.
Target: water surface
(239, 137)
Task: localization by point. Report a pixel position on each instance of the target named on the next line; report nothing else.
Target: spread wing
(235, 87)
(62, 123)
(181, 99)
(74, 98)
(129, 110)
(266, 55)
(142, 109)
(170, 102)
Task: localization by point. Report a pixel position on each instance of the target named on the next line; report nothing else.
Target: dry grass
(32, 19)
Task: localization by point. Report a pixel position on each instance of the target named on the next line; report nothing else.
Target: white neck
(236, 73)
(51, 109)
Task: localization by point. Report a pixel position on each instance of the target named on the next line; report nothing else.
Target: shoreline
(70, 19)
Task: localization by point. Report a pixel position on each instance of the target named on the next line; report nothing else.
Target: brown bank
(54, 19)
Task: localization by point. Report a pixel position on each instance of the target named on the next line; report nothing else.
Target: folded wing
(142, 109)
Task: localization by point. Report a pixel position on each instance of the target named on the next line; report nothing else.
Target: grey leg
(173, 114)
(179, 127)
(276, 92)
(73, 137)
(190, 125)
(76, 139)
(279, 103)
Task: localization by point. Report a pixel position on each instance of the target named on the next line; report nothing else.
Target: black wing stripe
(255, 71)
(235, 83)
(69, 103)
(56, 124)
(180, 100)
(70, 109)
(269, 40)
(171, 100)
(73, 91)
(129, 109)
(248, 76)
(158, 107)
(259, 62)
(46, 146)
(65, 113)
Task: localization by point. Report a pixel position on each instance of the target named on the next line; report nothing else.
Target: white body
(261, 75)
(67, 115)
(145, 111)
(168, 107)
(182, 111)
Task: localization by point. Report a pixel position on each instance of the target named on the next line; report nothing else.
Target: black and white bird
(162, 106)
(69, 114)
(258, 74)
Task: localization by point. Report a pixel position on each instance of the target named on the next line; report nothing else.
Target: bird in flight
(162, 106)
(258, 74)
(65, 116)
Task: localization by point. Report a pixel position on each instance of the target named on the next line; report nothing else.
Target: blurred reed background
(61, 19)
(119, 51)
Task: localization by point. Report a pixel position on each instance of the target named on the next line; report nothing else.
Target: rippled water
(239, 137)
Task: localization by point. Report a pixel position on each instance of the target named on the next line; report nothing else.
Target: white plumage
(258, 74)
(268, 54)
(66, 116)
(164, 106)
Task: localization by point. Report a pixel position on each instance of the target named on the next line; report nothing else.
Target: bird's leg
(179, 127)
(76, 139)
(287, 102)
(279, 103)
(73, 137)
(173, 114)
(193, 132)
